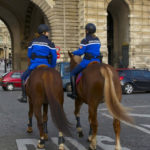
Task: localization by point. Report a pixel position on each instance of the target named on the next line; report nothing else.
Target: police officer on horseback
(90, 47)
(40, 51)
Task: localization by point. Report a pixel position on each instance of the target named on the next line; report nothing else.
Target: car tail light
(121, 77)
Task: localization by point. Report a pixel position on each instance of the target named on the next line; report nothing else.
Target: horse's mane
(77, 59)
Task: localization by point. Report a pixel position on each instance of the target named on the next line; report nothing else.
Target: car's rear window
(16, 75)
(67, 69)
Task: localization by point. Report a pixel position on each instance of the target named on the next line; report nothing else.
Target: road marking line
(140, 115)
(144, 106)
(134, 126)
(72, 141)
(145, 125)
(101, 139)
(75, 143)
(21, 143)
(55, 141)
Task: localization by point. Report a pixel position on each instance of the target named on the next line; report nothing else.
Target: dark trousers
(73, 74)
(23, 79)
(76, 70)
(26, 74)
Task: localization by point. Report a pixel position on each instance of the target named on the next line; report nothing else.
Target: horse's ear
(70, 54)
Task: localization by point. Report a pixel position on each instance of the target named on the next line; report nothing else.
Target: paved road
(13, 123)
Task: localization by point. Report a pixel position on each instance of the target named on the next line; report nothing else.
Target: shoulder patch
(81, 47)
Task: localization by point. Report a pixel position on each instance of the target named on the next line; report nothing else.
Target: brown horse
(99, 82)
(44, 87)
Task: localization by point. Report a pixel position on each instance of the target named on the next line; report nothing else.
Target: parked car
(134, 80)
(64, 69)
(11, 80)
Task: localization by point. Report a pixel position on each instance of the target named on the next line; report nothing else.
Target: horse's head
(74, 60)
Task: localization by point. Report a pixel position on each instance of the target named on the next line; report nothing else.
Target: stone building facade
(5, 41)
(122, 26)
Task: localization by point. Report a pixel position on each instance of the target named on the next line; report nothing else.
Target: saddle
(40, 66)
(79, 76)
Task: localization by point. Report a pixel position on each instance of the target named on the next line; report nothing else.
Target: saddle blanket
(78, 78)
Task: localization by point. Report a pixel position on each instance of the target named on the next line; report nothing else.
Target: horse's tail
(57, 112)
(111, 99)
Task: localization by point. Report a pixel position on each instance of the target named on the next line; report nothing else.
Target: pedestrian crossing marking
(22, 143)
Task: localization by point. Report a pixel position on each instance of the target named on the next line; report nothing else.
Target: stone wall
(64, 26)
(67, 19)
(140, 34)
(139, 28)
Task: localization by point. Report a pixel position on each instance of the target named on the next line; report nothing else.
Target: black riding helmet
(43, 28)
(91, 28)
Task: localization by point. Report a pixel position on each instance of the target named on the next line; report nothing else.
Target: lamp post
(5, 60)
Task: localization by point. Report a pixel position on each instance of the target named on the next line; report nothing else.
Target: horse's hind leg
(116, 125)
(61, 141)
(93, 125)
(78, 104)
(38, 115)
(30, 115)
(45, 119)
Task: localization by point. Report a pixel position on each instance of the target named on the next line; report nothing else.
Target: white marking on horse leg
(61, 143)
(90, 138)
(118, 146)
(79, 129)
(60, 134)
(61, 147)
(93, 143)
(55, 141)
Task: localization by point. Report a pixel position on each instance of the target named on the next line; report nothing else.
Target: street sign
(58, 52)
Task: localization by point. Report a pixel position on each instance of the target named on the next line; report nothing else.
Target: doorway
(118, 34)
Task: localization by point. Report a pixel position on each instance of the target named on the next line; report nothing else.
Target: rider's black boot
(73, 95)
(23, 98)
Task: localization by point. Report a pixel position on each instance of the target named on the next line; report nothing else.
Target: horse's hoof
(80, 134)
(118, 148)
(89, 139)
(91, 148)
(29, 130)
(40, 146)
(61, 147)
(46, 137)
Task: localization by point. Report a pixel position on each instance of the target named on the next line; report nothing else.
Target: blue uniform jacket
(42, 46)
(89, 45)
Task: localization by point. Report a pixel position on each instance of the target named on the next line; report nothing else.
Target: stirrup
(22, 100)
(71, 95)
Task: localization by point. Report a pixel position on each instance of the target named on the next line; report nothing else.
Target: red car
(11, 80)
